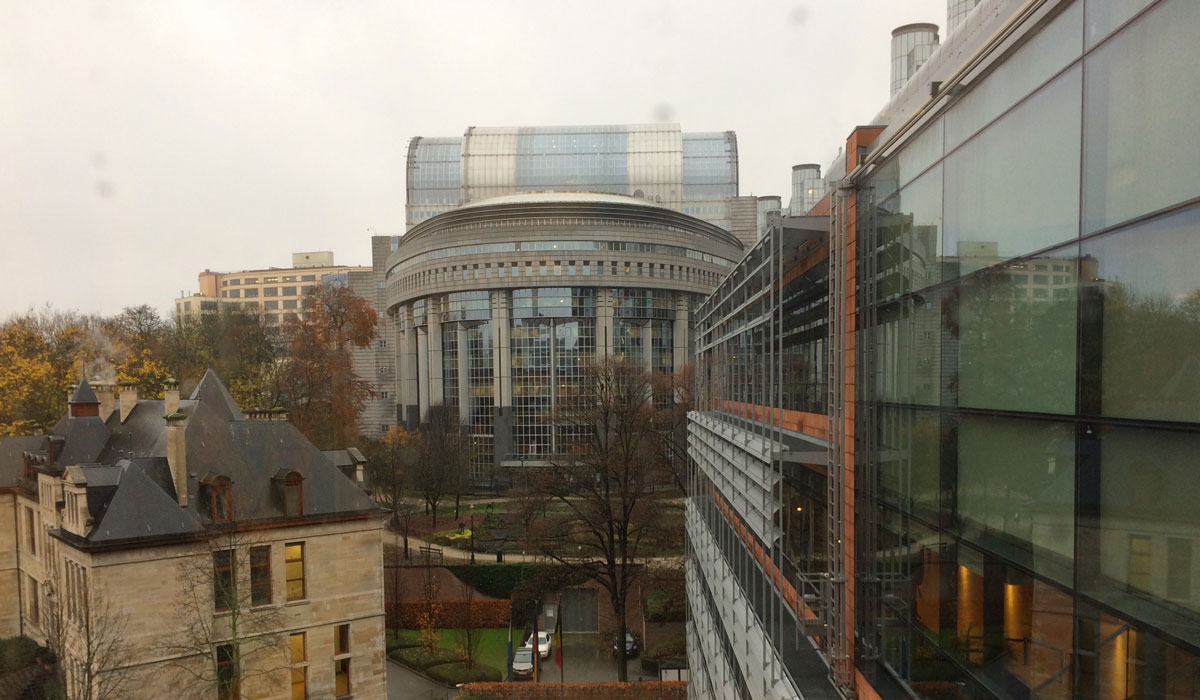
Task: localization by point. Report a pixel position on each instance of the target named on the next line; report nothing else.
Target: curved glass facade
(696, 173)
(506, 359)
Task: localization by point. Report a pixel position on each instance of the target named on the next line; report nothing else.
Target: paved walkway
(403, 684)
(453, 554)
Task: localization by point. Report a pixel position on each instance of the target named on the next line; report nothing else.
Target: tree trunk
(456, 506)
(622, 658)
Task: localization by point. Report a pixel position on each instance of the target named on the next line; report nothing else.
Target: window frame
(224, 584)
(260, 575)
(288, 580)
(301, 665)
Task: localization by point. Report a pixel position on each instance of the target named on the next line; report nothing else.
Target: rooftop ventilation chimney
(912, 45)
(956, 12)
(807, 188)
(128, 396)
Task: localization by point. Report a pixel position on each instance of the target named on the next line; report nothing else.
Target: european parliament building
(950, 421)
(531, 251)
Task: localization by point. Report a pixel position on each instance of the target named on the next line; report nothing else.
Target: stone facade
(117, 552)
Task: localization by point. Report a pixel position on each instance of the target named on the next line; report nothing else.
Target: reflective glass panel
(1146, 278)
(1143, 539)
(1016, 490)
(1016, 330)
(1048, 52)
(1014, 188)
(1141, 98)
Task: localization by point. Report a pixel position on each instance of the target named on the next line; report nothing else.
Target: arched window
(289, 489)
(216, 495)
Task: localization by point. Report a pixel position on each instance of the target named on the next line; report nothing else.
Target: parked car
(631, 645)
(544, 644)
(522, 666)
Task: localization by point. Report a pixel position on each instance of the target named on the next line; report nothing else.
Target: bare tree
(468, 634)
(674, 396)
(607, 479)
(444, 456)
(393, 465)
(88, 635)
(227, 634)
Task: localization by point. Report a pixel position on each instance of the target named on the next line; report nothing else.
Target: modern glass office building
(1004, 505)
(500, 303)
(695, 173)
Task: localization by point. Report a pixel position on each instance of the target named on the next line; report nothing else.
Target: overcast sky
(141, 142)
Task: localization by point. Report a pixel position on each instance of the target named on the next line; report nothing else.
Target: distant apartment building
(948, 422)
(169, 522)
(275, 293)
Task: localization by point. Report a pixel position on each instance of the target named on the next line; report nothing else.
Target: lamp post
(472, 533)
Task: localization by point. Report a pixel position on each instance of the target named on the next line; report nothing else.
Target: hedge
(415, 657)
(457, 672)
(17, 653)
(647, 690)
(495, 580)
(406, 614)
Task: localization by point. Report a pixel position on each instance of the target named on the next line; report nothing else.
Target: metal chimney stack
(807, 188)
(912, 45)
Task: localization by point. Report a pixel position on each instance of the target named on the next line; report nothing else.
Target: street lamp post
(472, 533)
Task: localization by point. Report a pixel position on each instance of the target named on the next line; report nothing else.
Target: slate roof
(84, 394)
(12, 463)
(131, 493)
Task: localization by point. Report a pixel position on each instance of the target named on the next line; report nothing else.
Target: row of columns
(420, 354)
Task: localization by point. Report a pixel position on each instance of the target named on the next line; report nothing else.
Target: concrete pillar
(464, 374)
(679, 338)
(406, 360)
(648, 346)
(422, 370)
(436, 393)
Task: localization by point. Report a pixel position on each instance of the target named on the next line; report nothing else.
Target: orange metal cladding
(860, 138)
(774, 573)
(813, 424)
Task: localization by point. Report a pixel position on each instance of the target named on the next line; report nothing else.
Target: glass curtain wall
(553, 336)
(1028, 373)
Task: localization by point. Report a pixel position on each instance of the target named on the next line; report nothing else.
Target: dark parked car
(631, 645)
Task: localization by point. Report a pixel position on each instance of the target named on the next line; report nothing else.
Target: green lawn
(493, 643)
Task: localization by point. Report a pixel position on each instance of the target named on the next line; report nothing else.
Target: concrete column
(464, 374)
(604, 322)
(406, 361)
(648, 346)
(435, 352)
(680, 334)
(422, 370)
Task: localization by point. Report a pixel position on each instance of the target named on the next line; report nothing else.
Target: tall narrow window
(223, 585)
(341, 660)
(227, 686)
(260, 575)
(1139, 563)
(294, 569)
(1179, 568)
(216, 494)
(341, 675)
(30, 532)
(35, 608)
(293, 495)
(288, 486)
(299, 666)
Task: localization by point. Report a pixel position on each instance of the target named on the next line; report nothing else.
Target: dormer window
(216, 495)
(289, 490)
